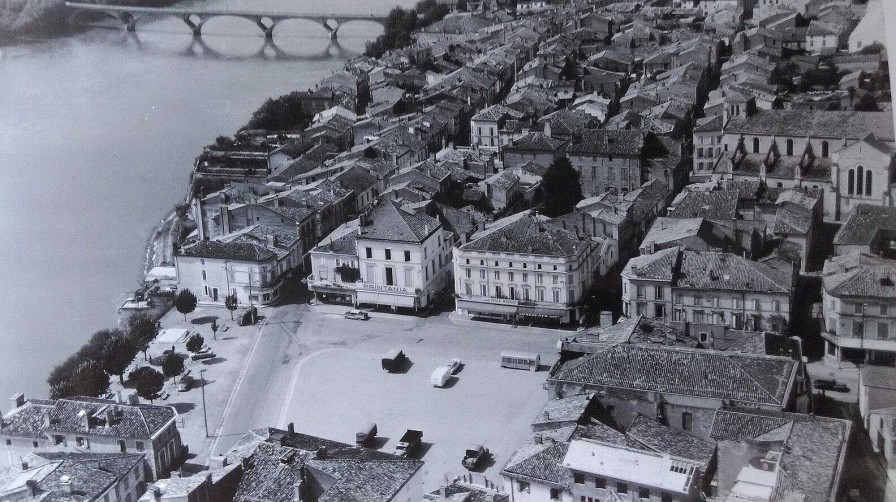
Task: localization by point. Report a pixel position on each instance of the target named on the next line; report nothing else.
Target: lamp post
(204, 414)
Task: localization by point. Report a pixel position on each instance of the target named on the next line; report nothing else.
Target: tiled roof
(709, 124)
(495, 113)
(540, 462)
(388, 222)
(692, 372)
(344, 473)
(608, 142)
(866, 281)
(822, 124)
(879, 376)
(659, 266)
(638, 329)
(719, 204)
(357, 179)
(665, 230)
(863, 223)
(567, 409)
(527, 235)
(535, 141)
(129, 421)
(736, 423)
(726, 271)
(89, 475)
(649, 434)
(237, 251)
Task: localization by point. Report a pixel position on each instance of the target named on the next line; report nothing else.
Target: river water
(98, 132)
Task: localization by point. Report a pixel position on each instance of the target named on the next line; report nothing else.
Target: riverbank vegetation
(400, 25)
(49, 16)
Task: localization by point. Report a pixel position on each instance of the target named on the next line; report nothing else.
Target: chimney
(33, 487)
(67, 484)
(290, 430)
(17, 400)
(24, 465)
(110, 417)
(85, 419)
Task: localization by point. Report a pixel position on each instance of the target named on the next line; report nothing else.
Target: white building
(394, 256)
(525, 267)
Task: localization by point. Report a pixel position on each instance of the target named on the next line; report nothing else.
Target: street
(308, 365)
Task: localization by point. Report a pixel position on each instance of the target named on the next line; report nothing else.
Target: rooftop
(387, 221)
(863, 224)
(821, 124)
(739, 377)
(527, 235)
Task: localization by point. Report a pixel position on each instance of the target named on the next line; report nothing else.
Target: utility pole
(204, 413)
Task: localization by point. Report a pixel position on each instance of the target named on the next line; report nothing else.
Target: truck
(474, 456)
(440, 376)
(394, 360)
(409, 443)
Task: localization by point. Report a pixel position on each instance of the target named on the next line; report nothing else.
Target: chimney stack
(18, 400)
(291, 430)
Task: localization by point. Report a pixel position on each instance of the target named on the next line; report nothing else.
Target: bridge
(195, 18)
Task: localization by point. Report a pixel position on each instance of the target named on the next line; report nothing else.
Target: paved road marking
(236, 388)
(287, 403)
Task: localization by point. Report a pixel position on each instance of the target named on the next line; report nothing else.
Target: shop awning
(490, 308)
(541, 312)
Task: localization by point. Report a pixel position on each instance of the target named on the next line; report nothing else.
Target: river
(98, 132)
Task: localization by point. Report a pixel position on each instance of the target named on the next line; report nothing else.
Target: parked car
(409, 443)
(840, 387)
(474, 456)
(247, 316)
(394, 360)
(185, 384)
(357, 314)
(203, 355)
(366, 435)
(204, 349)
(824, 383)
(440, 376)
(455, 365)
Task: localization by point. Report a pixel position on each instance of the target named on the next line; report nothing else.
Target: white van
(440, 376)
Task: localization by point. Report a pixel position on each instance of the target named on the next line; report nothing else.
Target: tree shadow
(214, 360)
(183, 407)
(204, 319)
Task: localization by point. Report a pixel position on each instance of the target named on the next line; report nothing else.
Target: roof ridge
(749, 375)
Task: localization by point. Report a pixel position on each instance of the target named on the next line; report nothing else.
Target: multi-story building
(89, 425)
(524, 267)
(705, 291)
(533, 147)
(488, 128)
(609, 160)
(847, 154)
(395, 256)
(859, 303)
(68, 476)
(868, 229)
(677, 386)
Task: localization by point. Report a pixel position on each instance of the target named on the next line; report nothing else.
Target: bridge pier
(332, 30)
(195, 26)
(267, 29)
(129, 21)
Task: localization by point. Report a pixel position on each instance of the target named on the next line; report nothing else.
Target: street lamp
(204, 414)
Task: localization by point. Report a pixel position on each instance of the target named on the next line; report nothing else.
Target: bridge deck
(225, 12)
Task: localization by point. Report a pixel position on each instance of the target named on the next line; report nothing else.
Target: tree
(866, 103)
(562, 190)
(172, 365)
(281, 114)
(231, 303)
(185, 302)
(118, 354)
(195, 342)
(181, 209)
(148, 382)
(87, 379)
(142, 330)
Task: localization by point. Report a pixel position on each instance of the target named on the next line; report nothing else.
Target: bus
(520, 360)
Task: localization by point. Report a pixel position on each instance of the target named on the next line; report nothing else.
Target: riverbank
(47, 18)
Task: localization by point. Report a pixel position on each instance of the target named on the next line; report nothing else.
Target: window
(203, 275)
(639, 308)
(556, 279)
(777, 306)
(469, 273)
(82, 442)
(483, 290)
(469, 288)
(555, 494)
(883, 309)
(388, 254)
(858, 308)
(735, 303)
(850, 182)
(34, 444)
(498, 292)
(659, 311)
(600, 483)
(755, 145)
(641, 291)
(859, 171)
(658, 292)
(368, 252)
(540, 294)
(390, 278)
(868, 183)
(525, 277)
(139, 445)
(621, 487)
(57, 439)
(578, 478)
(8, 442)
(510, 276)
(122, 446)
(666, 497)
(824, 149)
(522, 486)
(704, 337)
(883, 330)
(482, 274)
(539, 278)
(643, 493)
(789, 147)
(687, 421)
(407, 256)
(858, 329)
(756, 305)
(497, 275)
(556, 296)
